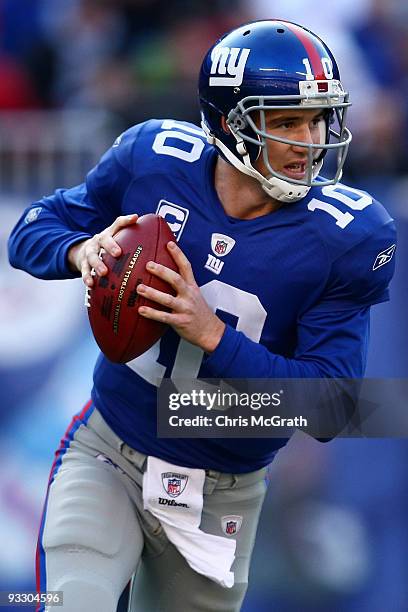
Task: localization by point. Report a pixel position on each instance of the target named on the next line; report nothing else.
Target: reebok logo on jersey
(384, 257)
(175, 215)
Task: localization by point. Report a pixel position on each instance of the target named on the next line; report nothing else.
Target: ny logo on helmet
(228, 61)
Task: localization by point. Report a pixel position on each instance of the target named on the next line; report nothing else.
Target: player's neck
(241, 196)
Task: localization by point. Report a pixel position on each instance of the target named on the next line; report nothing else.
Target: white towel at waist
(174, 495)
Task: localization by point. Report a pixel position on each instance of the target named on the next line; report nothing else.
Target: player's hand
(84, 257)
(190, 316)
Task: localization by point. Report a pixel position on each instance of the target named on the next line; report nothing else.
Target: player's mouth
(296, 170)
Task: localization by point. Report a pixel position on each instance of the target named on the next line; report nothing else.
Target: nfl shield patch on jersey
(231, 524)
(221, 244)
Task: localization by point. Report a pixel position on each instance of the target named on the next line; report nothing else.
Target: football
(121, 333)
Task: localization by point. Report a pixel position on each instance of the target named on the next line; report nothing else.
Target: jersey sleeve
(330, 344)
(332, 335)
(47, 229)
(361, 275)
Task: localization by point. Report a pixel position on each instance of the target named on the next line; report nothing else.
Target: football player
(279, 266)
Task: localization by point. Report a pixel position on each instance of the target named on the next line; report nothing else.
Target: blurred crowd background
(73, 75)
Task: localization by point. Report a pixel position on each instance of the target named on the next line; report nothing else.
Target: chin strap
(276, 188)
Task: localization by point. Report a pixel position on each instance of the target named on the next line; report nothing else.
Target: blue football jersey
(294, 287)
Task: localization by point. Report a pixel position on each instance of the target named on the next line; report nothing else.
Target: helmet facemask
(252, 136)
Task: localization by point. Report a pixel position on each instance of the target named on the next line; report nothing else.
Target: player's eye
(287, 125)
(316, 123)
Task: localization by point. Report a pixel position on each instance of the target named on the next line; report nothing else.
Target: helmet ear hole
(225, 125)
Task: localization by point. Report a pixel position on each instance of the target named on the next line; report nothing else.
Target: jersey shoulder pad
(359, 238)
(165, 146)
(362, 274)
(113, 172)
(344, 216)
(155, 146)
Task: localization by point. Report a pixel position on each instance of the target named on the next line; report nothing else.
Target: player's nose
(303, 135)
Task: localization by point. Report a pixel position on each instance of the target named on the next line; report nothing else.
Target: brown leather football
(121, 333)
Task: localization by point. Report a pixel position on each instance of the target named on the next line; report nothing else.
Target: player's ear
(224, 125)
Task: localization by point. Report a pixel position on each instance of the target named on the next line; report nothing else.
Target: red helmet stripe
(312, 52)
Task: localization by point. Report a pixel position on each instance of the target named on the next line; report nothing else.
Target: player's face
(306, 126)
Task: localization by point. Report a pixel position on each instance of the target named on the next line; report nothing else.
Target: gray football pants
(95, 533)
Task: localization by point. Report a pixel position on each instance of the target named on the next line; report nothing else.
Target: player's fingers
(157, 315)
(86, 273)
(182, 262)
(110, 245)
(165, 299)
(105, 238)
(94, 261)
(122, 221)
(173, 278)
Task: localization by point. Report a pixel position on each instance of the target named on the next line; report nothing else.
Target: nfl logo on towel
(173, 483)
(174, 486)
(231, 524)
